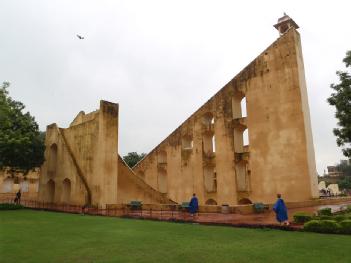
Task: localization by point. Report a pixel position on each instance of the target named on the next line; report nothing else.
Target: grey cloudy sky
(160, 60)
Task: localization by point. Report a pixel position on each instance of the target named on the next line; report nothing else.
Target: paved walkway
(264, 219)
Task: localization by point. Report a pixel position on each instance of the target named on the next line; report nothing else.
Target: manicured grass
(33, 236)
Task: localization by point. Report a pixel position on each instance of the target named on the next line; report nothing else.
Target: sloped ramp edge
(132, 187)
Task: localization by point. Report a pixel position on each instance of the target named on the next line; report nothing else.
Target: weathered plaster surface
(280, 154)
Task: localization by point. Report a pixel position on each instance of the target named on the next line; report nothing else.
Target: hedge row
(302, 217)
(322, 214)
(10, 206)
(325, 212)
(328, 226)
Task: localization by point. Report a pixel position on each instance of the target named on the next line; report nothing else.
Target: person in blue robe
(281, 210)
(193, 205)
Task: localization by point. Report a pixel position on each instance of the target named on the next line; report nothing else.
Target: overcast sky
(160, 60)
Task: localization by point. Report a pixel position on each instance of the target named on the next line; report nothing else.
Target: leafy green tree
(133, 158)
(341, 99)
(21, 143)
(345, 168)
(345, 183)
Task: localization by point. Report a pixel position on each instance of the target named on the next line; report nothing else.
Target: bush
(345, 226)
(302, 217)
(339, 218)
(325, 212)
(7, 206)
(348, 209)
(312, 226)
(322, 226)
(325, 217)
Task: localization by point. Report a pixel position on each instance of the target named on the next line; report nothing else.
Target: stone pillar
(106, 164)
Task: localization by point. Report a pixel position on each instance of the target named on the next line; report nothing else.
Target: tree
(21, 143)
(341, 99)
(345, 168)
(345, 183)
(133, 158)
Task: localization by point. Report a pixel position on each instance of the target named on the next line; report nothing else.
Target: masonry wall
(132, 187)
(11, 183)
(280, 155)
(281, 147)
(83, 167)
(81, 161)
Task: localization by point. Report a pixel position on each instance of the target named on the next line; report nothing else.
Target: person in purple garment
(193, 205)
(281, 211)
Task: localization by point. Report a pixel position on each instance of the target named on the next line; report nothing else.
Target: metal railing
(125, 211)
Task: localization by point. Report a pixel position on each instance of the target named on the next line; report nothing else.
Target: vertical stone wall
(207, 155)
(81, 161)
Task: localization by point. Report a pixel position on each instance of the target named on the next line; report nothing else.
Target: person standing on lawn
(193, 205)
(281, 211)
(18, 197)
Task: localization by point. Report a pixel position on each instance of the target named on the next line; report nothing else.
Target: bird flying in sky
(80, 37)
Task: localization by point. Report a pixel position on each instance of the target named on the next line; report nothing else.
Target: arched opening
(162, 157)
(208, 119)
(243, 107)
(52, 160)
(162, 181)
(211, 202)
(210, 179)
(24, 186)
(238, 140)
(7, 185)
(242, 182)
(246, 137)
(187, 143)
(66, 191)
(208, 143)
(245, 201)
(237, 105)
(50, 188)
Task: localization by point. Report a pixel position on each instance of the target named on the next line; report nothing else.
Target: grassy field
(33, 236)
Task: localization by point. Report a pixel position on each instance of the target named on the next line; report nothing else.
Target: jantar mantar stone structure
(266, 103)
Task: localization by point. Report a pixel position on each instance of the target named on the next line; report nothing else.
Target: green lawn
(33, 236)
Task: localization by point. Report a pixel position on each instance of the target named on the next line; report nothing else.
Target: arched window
(243, 107)
(162, 181)
(208, 119)
(210, 179)
(187, 143)
(209, 144)
(213, 143)
(162, 157)
(50, 191)
(246, 137)
(52, 160)
(245, 201)
(211, 202)
(66, 190)
(238, 105)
